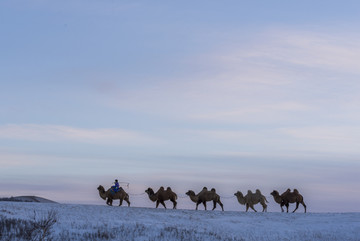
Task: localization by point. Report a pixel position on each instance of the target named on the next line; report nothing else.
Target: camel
(162, 195)
(205, 196)
(110, 195)
(251, 199)
(288, 197)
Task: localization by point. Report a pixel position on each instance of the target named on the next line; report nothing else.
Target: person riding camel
(116, 186)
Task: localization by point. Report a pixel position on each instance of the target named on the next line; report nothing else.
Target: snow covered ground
(94, 222)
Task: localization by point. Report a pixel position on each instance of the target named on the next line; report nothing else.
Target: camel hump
(168, 189)
(161, 188)
(249, 192)
(213, 189)
(296, 191)
(205, 188)
(258, 191)
(286, 192)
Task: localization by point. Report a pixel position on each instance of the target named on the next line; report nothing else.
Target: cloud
(312, 49)
(53, 133)
(274, 112)
(326, 138)
(281, 75)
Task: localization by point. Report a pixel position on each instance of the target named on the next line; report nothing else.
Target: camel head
(239, 194)
(102, 192)
(149, 191)
(190, 193)
(240, 197)
(275, 193)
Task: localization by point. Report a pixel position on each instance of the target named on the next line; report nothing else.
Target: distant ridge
(27, 199)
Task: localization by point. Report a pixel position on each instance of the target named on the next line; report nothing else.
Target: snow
(79, 222)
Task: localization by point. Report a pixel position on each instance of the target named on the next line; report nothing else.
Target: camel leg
(287, 207)
(264, 208)
(247, 207)
(121, 201)
(128, 202)
(281, 206)
(162, 202)
(252, 207)
(157, 203)
(304, 206)
(197, 204)
(214, 206)
(204, 204)
(263, 204)
(175, 203)
(221, 205)
(297, 205)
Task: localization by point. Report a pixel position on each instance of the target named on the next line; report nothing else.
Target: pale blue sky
(234, 95)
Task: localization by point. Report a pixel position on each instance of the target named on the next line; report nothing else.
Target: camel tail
(176, 196)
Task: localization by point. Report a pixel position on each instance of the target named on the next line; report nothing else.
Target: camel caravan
(249, 200)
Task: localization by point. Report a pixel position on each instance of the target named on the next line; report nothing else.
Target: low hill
(27, 199)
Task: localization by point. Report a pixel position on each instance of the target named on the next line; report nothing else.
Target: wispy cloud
(254, 114)
(341, 139)
(313, 50)
(330, 133)
(32, 132)
(280, 75)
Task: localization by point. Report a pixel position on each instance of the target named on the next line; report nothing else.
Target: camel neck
(102, 194)
(152, 197)
(194, 198)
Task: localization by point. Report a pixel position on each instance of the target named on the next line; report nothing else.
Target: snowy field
(94, 222)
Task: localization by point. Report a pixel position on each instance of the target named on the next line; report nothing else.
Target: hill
(27, 199)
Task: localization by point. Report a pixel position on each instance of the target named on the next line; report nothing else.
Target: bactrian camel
(162, 195)
(110, 195)
(205, 196)
(288, 197)
(251, 199)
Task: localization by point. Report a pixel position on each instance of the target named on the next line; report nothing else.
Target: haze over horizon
(233, 95)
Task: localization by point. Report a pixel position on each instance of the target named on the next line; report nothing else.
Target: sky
(234, 95)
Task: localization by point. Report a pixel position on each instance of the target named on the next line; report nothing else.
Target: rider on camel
(116, 186)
